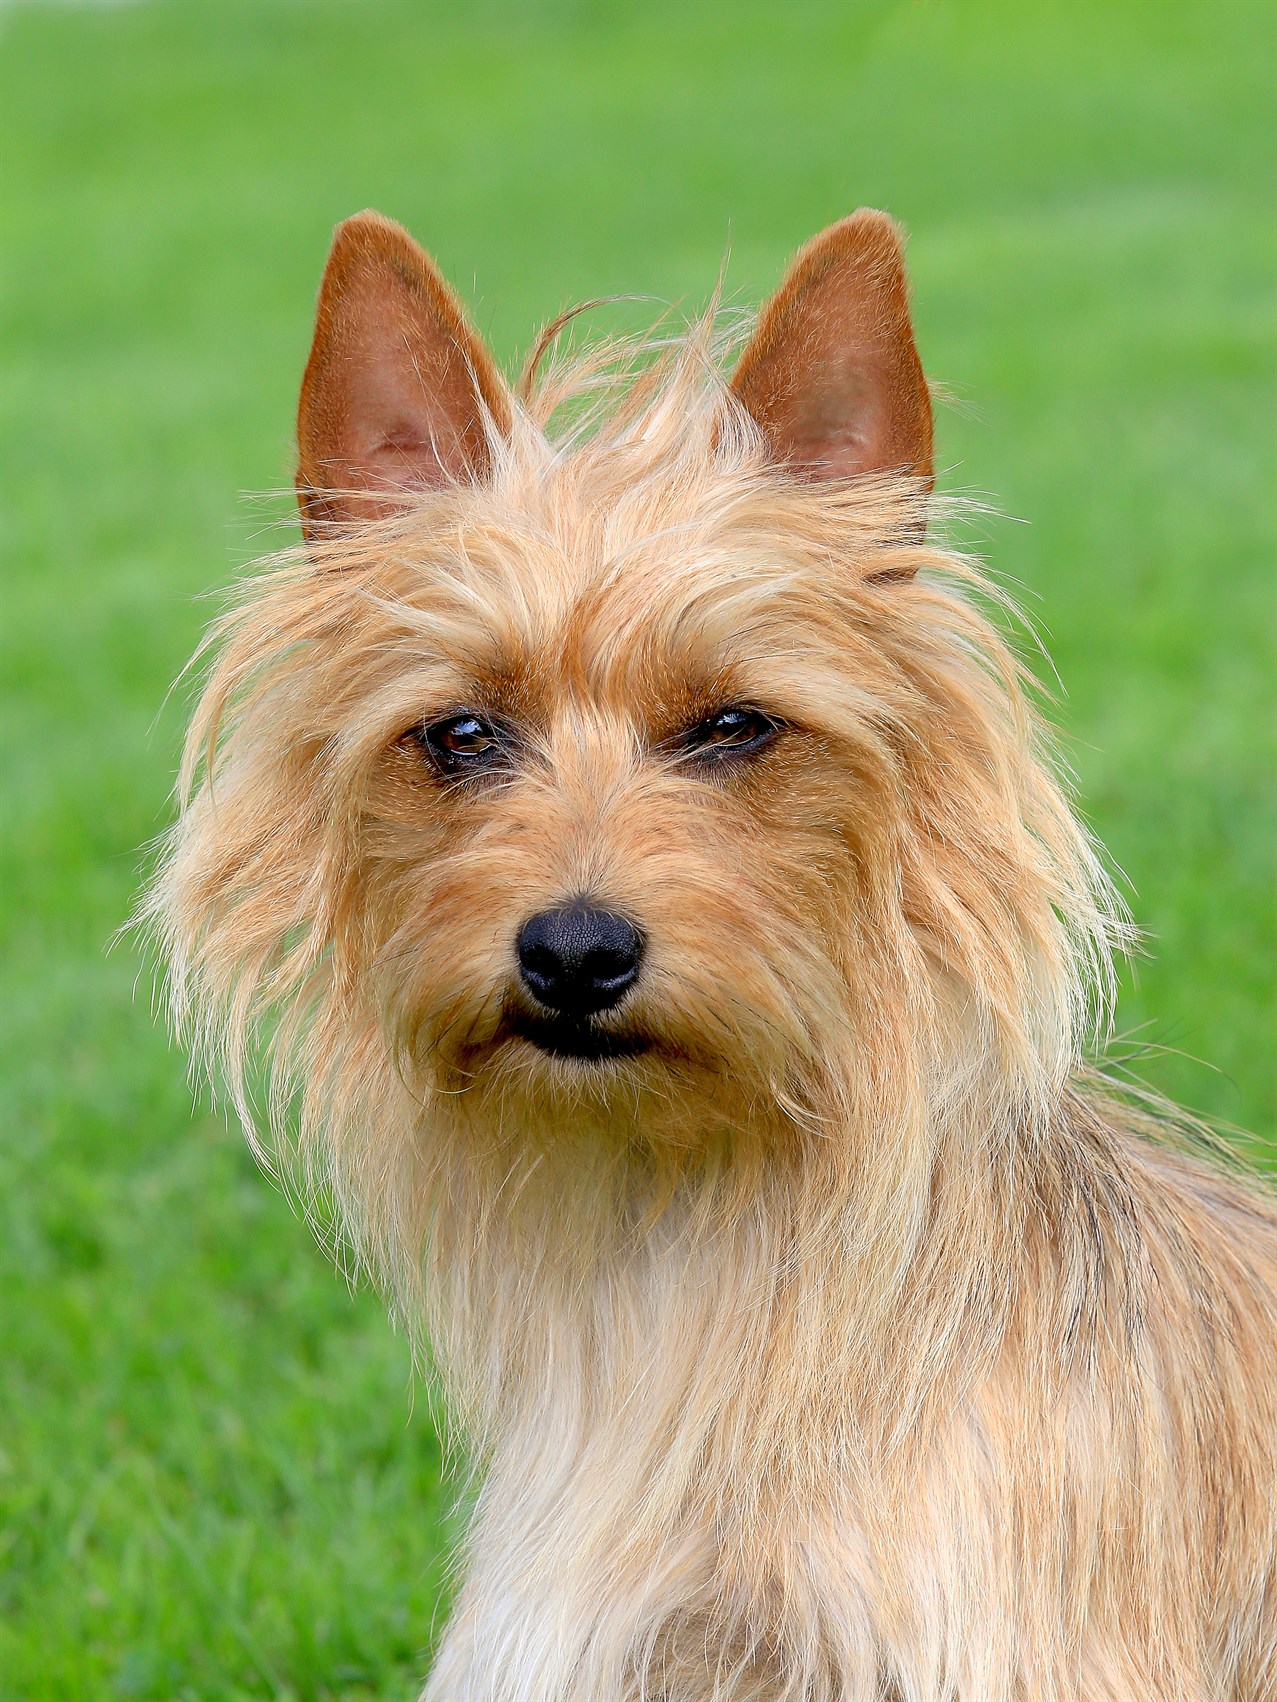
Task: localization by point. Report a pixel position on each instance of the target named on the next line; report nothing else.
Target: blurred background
(215, 1481)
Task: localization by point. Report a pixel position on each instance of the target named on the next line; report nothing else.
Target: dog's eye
(734, 731)
(462, 744)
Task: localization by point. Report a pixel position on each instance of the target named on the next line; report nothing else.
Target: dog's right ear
(399, 392)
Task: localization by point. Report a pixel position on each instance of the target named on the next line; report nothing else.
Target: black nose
(578, 960)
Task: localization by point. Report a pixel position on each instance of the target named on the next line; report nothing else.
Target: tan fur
(853, 1341)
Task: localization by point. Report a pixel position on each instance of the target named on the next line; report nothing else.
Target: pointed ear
(398, 387)
(831, 373)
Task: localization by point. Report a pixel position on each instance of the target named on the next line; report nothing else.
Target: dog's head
(653, 765)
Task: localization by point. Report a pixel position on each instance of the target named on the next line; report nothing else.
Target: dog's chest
(570, 1600)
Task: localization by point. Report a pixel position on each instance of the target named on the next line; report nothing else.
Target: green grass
(214, 1480)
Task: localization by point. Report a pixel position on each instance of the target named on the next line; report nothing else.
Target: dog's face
(624, 802)
(625, 767)
(628, 788)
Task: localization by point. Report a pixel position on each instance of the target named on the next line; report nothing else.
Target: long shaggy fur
(853, 1342)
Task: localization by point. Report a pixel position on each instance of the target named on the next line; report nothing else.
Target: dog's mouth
(579, 1038)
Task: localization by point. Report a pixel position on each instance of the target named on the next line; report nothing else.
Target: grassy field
(214, 1480)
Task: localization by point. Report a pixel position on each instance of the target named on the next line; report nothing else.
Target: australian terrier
(627, 848)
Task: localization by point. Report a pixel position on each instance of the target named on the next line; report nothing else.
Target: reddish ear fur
(831, 373)
(397, 386)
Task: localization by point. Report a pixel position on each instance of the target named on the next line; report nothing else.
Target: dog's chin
(575, 1040)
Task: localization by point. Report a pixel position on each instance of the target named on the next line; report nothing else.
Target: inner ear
(399, 391)
(831, 373)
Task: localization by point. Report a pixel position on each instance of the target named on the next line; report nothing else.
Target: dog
(625, 842)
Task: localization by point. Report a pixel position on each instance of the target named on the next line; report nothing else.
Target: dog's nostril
(579, 960)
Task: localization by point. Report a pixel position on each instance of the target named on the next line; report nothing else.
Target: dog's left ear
(831, 373)
(399, 391)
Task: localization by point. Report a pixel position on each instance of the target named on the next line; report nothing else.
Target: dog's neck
(568, 1274)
